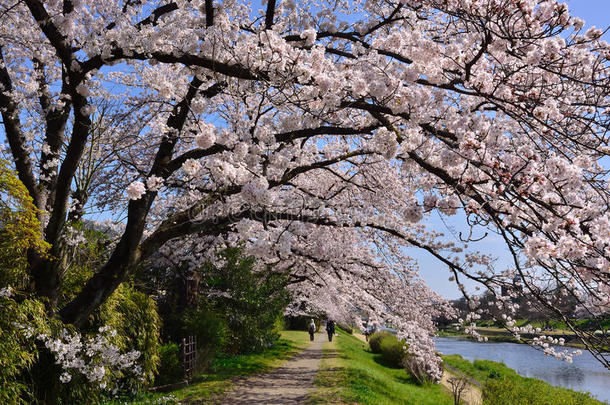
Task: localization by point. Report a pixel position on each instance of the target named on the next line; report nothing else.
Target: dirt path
(289, 384)
(360, 336)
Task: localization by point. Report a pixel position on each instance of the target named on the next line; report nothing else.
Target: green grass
(351, 374)
(503, 386)
(480, 370)
(210, 386)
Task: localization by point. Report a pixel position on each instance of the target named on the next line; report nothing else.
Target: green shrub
(296, 322)
(211, 331)
(18, 352)
(170, 367)
(134, 316)
(250, 299)
(392, 351)
(301, 322)
(375, 340)
(19, 230)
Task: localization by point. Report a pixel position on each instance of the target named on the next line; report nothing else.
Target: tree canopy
(318, 134)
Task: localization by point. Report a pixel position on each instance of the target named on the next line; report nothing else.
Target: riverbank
(503, 386)
(584, 373)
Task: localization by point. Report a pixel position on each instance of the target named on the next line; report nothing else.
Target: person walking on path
(330, 329)
(312, 329)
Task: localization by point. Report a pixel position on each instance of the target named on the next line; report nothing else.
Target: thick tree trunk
(46, 281)
(46, 274)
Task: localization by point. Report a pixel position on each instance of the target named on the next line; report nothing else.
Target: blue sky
(595, 13)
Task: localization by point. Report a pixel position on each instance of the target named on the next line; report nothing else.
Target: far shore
(499, 335)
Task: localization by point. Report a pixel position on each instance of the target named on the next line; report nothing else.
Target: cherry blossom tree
(319, 134)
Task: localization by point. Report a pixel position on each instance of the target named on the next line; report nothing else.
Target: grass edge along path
(350, 374)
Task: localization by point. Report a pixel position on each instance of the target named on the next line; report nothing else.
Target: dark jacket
(330, 327)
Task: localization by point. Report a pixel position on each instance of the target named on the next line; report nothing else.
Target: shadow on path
(289, 384)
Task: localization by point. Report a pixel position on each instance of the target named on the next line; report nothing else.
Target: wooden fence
(189, 356)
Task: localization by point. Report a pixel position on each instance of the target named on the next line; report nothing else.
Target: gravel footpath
(288, 384)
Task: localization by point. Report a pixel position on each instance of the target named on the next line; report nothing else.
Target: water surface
(583, 374)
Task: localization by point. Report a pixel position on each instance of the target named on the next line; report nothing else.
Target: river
(583, 374)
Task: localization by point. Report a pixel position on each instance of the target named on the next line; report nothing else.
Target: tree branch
(269, 14)
(209, 13)
(125, 256)
(14, 134)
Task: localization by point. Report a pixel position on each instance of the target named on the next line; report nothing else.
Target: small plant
(458, 386)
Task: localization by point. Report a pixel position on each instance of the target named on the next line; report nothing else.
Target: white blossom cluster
(96, 358)
(549, 348)
(6, 292)
(74, 237)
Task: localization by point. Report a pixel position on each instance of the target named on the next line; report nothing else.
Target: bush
(392, 351)
(211, 331)
(301, 322)
(296, 322)
(170, 368)
(134, 316)
(375, 340)
(19, 230)
(250, 299)
(131, 313)
(18, 352)
(493, 369)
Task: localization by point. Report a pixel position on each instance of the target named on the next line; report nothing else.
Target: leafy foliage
(83, 258)
(19, 229)
(375, 340)
(18, 350)
(20, 315)
(212, 332)
(134, 316)
(393, 351)
(170, 368)
(251, 300)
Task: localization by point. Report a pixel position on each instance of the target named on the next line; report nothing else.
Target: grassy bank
(503, 386)
(209, 386)
(351, 374)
